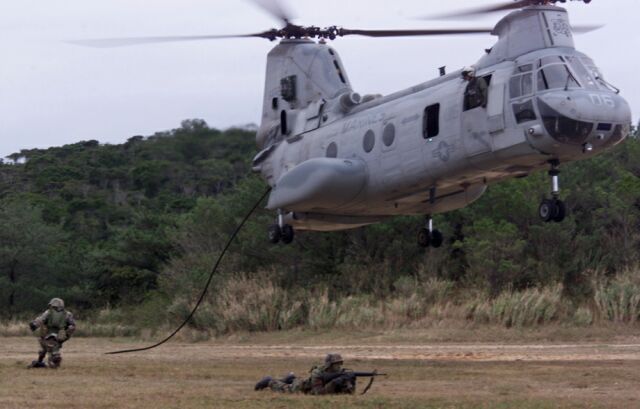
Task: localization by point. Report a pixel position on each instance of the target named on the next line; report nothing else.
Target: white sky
(53, 93)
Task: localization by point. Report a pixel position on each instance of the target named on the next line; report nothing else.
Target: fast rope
(206, 287)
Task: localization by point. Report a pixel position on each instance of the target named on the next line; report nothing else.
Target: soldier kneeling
(56, 327)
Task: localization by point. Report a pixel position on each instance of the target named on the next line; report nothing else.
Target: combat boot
(37, 364)
(55, 362)
(263, 383)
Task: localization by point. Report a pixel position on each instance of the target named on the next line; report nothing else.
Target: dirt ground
(222, 374)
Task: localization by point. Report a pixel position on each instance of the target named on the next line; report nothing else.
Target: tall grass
(252, 304)
(525, 308)
(618, 299)
(243, 303)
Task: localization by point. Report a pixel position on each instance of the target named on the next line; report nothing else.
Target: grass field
(221, 374)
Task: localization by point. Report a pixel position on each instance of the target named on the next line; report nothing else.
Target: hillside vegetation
(128, 234)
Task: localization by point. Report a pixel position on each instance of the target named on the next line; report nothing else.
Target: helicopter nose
(588, 119)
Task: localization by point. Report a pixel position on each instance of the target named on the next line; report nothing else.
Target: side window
(389, 134)
(288, 88)
(521, 85)
(431, 121)
(369, 141)
(332, 150)
(284, 129)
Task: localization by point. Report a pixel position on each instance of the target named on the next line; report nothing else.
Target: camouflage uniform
(56, 326)
(338, 385)
(315, 384)
(296, 385)
(476, 93)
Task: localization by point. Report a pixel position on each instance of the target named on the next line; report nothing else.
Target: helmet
(468, 70)
(331, 359)
(56, 303)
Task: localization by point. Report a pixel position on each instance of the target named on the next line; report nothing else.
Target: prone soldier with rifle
(327, 379)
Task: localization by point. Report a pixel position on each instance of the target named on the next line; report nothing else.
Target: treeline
(137, 227)
(94, 223)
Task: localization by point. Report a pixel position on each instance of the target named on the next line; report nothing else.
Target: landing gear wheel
(424, 238)
(436, 239)
(548, 210)
(274, 233)
(287, 234)
(561, 211)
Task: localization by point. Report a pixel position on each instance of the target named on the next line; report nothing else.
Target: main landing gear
(554, 209)
(428, 236)
(280, 232)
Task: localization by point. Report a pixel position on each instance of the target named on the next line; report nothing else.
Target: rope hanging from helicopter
(206, 287)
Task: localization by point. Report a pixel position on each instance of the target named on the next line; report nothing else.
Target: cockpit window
(562, 128)
(556, 76)
(583, 74)
(595, 73)
(591, 66)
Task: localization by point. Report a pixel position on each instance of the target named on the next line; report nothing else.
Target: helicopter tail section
(301, 76)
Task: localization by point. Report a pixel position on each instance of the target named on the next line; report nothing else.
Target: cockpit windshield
(556, 76)
(591, 67)
(595, 73)
(558, 72)
(586, 78)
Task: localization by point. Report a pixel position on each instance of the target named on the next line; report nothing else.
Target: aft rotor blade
(124, 42)
(412, 33)
(276, 9)
(513, 5)
(585, 29)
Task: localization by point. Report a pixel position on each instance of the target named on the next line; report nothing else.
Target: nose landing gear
(554, 209)
(428, 237)
(280, 232)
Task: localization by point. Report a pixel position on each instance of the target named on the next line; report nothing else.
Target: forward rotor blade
(124, 42)
(482, 10)
(412, 33)
(276, 9)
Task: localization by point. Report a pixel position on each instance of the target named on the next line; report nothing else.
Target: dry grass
(222, 374)
(618, 299)
(244, 304)
(248, 304)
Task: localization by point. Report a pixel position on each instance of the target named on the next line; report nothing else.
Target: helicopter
(338, 160)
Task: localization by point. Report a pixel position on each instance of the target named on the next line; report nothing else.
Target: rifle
(348, 376)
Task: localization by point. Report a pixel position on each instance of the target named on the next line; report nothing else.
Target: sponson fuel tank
(319, 183)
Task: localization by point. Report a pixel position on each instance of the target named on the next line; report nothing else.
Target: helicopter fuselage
(344, 162)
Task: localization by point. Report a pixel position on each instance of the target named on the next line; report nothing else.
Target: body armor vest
(56, 321)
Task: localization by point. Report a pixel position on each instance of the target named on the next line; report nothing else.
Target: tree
(27, 256)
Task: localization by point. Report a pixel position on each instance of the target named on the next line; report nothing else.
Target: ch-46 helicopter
(337, 160)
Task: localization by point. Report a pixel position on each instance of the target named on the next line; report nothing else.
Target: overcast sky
(53, 93)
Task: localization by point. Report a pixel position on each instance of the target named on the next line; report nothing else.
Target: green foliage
(495, 252)
(137, 228)
(102, 215)
(29, 257)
